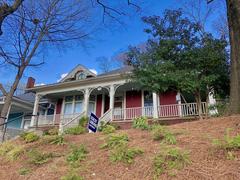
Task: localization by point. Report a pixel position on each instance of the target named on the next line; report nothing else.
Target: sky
(107, 42)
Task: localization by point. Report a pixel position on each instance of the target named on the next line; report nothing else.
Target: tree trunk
(233, 14)
(199, 102)
(9, 96)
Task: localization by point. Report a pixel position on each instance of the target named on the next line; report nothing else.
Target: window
(81, 75)
(73, 104)
(148, 99)
(68, 108)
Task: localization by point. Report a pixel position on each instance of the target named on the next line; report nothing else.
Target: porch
(113, 102)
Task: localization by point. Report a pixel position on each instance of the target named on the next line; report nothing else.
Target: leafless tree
(198, 11)
(36, 25)
(6, 10)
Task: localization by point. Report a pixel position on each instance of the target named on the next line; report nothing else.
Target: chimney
(30, 83)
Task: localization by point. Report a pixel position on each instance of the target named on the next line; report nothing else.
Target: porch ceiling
(56, 96)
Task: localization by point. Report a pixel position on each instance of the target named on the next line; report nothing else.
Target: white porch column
(155, 105)
(111, 94)
(178, 99)
(35, 109)
(86, 101)
(111, 101)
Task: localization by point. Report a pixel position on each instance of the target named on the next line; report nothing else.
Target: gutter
(77, 82)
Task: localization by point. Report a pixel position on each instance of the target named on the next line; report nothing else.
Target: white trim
(124, 104)
(103, 104)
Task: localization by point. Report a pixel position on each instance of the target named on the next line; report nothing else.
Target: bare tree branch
(6, 10)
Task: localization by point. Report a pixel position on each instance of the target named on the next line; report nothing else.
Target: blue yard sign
(93, 122)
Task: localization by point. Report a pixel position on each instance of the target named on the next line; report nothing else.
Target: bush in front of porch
(140, 123)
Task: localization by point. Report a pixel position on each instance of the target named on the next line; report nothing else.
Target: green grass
(169, 159)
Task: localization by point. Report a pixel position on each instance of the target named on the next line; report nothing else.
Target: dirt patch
(195, 137)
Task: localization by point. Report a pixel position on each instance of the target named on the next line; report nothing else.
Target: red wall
(58, 110)
(106, 103)
(99, 105)
(168, 98)
(133, 99)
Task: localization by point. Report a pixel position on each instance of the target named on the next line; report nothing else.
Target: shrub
(24, 171)
(77, 155)
(228, 144)
(108, 129)
(72, 176)
(58, 140)
(162, 133)
(140, 123)
(11, 151)
(29, 137)
(51, 132)
(83, 122)
(169, 159)
(75, 130)
(124, 154)
(115, 140)
(38, 158)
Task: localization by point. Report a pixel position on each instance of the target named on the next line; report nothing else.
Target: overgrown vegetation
(120, 152)
(38, 158)
(75, 130)
(77, 154)
(58, 140)
(29, 137)
(228, 144)
(108, 129)
(161, 133)
(72, 176)
(140, 123)
(51, 132)
(11, 151)
(170, 159)
(115, 140)
(24, 171)
(83, 121)
(124, 154)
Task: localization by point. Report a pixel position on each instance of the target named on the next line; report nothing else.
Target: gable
(80, 72)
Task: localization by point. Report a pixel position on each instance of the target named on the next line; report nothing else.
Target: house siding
(168, 98)
(99, 105)
(58, 110)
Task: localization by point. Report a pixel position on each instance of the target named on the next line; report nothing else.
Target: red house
(110, 96)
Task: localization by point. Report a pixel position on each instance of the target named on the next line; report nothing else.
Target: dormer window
(81, 75)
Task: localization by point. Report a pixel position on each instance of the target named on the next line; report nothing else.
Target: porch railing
(107, 116)
(70, 123)
(164, 111)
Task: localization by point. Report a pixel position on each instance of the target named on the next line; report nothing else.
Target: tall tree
(6, 10)
(37, 25)
(178, 57)
(233, 14)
